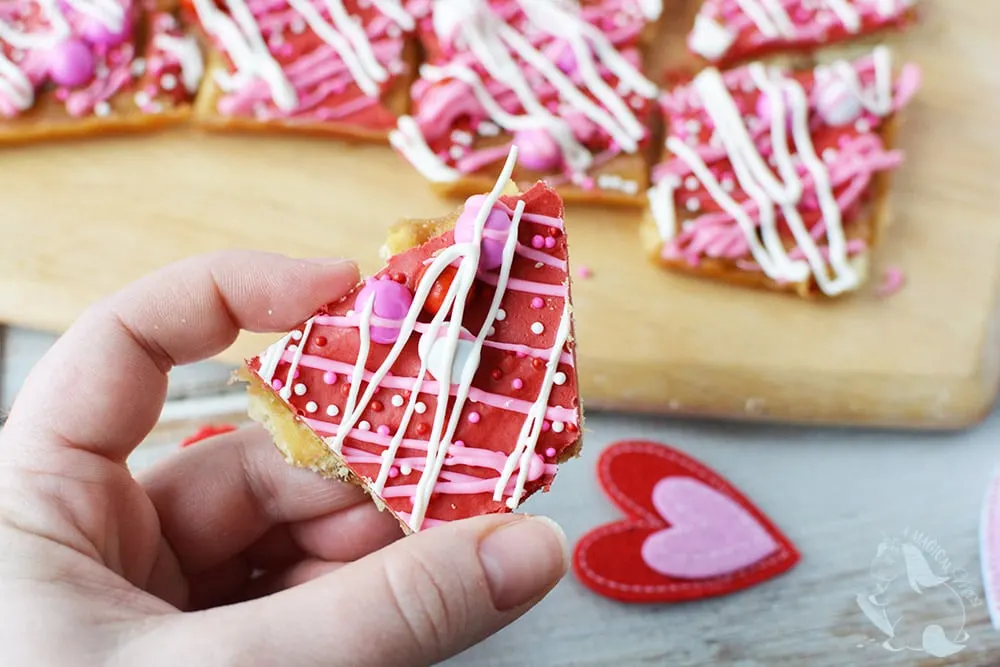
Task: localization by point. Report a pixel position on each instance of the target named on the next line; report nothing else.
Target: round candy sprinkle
(405, 469)
(550, 242)
(329, 377)
(537, 303)
(300, 389)
(474, 417)
(397, 401)
(538, 150)
(459, 443)
(277, 384)
(494, 232)
(501, 315)
(364, 426)
(559, 378)
(550, 452)
(383, 430)
(72, 63)
(518, 383)
(836, 103)
(558, 427)
(537, 328)
(311, 406)
(392, 302)
(332, 410)
(420, 408)
(393, 472)
(537, 241)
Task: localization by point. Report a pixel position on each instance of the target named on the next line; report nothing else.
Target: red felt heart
(690, 534)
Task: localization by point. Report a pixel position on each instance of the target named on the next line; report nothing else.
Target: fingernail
(328, 261)
(523, 560)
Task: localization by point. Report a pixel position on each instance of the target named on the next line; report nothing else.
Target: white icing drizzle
(15, 85)
(185, 50)
(784, 95)
(494, 43)
(395, 11)
(111, 13)
(710, 38)
(20, 39)
(296, 359)
(348, 39)
(769, 16)
(245, 45)
(847, 14)
(651, 9)
(409, 141)
(272, 357)
(527, 439)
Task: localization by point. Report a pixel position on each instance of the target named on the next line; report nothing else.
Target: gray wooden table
(836, 493)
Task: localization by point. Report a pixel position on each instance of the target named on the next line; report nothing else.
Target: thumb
(416, 602)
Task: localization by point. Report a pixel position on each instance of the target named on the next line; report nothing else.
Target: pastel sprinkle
(393, 472)
(420, 408)
(546, 425)
(518, 383)
(329, 377)
(550, 242)
(311, 406)
(474, 417)
(537, 303)
(550, 452)
(559, 378)
(537, 328)
(332, 410)
(459, 443)
(501, 315)
(397, 401)
(558, 427)
(383, 430)
(584, 272)
(537, 241)
(405, 469)
(300, 389)
(277, 384)
(364, 426)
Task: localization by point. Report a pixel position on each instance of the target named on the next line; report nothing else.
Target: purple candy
(99, 34)
(497, 226)
(72, 63)
(392, 302)
(537, 150)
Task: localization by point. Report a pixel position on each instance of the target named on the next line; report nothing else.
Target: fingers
(416, 602)
(101, 386)
(219, 498)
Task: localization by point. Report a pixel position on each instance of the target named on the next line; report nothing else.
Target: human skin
(100, 567)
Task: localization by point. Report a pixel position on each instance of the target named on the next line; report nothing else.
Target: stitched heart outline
(637, 476)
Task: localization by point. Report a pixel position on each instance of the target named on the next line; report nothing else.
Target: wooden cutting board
(80, 220)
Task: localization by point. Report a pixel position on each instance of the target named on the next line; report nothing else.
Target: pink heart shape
(710, 534)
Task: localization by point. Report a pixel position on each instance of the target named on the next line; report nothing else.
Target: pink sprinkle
(893, 280)
(154, 63)
(329, 377)
(297, 373)
(459, 443)
(550, 242)
(585, 272)
(537, 241)
(521, 355)
(62, 94)
(546, 426)
(152, 90)
(518, 383)
(474, 417)
(537, 303)
(550, 452)
(393, 472)
(286, 49)
(277, 384)
(382, 430)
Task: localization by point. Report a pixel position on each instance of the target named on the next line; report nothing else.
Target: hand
(100, 568)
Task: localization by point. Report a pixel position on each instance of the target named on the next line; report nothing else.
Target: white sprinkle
(397, 401)
(351, 313)
(285, 393)
(727, 184)
(829, 155)
(511, 503)
(537, 328)
(863, 125)
(558, 427)
(311, 406)
(501, 315)
(456, 152)
(405, 469)
(492, 331)
(693, 126)
(488, 129)
(332, 410)
(138, 67)
(364, 426)
(296, 335)
(168, 82)
(462, 137)
(539, 265)
(420, 408)
(691, 183)
(693, 204)
(102, 109)
(629, 187)
(141, 98)
(300, 389)
(298, 26)
(559, 378)
(293, 347)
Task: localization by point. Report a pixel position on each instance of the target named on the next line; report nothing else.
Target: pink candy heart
(709, 534)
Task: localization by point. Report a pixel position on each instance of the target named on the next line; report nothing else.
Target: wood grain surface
(79, 220)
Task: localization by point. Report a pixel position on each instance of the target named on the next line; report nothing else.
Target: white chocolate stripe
(847, 14)
(409, 140)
